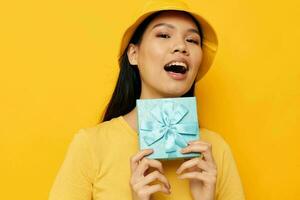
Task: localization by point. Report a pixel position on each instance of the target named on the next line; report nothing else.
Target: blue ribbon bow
(166, 124)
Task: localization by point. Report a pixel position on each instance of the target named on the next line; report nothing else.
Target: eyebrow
(173, 27)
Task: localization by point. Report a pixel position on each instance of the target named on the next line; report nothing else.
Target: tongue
(175, 69)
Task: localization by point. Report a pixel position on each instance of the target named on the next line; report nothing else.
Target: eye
(163, 35)
(193, 41)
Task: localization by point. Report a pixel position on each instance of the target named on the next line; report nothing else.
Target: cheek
(152, 57)
(197, 59)
(155, 51)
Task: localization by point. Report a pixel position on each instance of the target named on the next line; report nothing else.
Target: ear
(132, 54)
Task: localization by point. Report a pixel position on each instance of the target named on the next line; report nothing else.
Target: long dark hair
(128, 86)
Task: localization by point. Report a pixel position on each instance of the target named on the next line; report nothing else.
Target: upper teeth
(177, 63)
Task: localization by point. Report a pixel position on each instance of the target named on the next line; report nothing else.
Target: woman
(163, 53)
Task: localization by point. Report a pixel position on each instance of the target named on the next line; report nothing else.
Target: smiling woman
(163, 53)
(170, 41)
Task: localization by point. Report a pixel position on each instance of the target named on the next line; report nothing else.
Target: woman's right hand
(140, 181)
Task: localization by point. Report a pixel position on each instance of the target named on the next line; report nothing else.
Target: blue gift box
(166, 125)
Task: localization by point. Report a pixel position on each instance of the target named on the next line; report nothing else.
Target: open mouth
(176, 68)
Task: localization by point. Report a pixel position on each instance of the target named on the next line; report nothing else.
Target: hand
(140, 179)
(201, 171)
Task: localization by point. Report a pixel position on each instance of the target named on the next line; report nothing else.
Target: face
(171, 38)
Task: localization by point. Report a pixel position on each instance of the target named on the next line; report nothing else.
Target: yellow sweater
(97, 166)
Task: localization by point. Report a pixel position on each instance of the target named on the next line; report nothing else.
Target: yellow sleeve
(230, 184)
(76, 174)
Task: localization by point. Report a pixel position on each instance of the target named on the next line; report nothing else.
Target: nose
(180, 46)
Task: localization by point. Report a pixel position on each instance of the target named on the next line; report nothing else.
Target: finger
(198, 142)
(155, 175)
(195, 162)
(205, 149)
(194, 142)
(156, 188)
(205, 177)
(146, 163)
(137, 157)
(187, 164)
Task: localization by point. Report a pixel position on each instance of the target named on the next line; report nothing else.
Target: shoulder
(93, 141)
(229, 185)
(220, 148)
(99, 131)
(214, 138)
(102, 136)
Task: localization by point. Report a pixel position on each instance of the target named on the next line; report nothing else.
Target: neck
(148, 92)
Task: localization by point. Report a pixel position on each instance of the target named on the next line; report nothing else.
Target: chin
(175, 93)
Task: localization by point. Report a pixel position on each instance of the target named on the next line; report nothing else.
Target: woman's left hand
(201, 171)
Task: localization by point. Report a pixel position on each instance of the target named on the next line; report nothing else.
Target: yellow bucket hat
(210, 41)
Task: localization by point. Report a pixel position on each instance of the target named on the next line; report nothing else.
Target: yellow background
(58, 69)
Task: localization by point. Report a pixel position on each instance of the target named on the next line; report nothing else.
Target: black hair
(128, 86)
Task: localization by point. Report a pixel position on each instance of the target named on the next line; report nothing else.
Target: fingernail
(190, 142)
